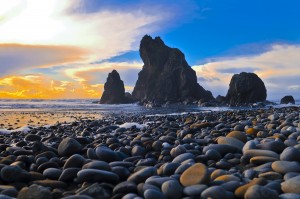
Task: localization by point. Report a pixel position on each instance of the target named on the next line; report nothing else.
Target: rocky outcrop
(114, 91)
(287, 99)
(166, 76)
(245, 88)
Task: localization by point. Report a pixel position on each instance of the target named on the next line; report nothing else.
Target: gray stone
(290, 154)
(68, 174)
(194, 190)
(289, 196)
(94, 175)
(172, 189)
(125, 187)
(152, 193)
(284, 167)
(260, 192)
(182, 157)
(291, 185)
(142, 175)
(68, 146)
(214, 192)
(35, 192)
(95, 191)
(75, 161)
(52, 173)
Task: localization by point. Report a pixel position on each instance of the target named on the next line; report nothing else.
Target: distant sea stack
(114, 91)
(166, 76)
(287, 99)
(245, 88)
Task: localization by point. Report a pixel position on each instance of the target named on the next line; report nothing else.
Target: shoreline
(219, 154)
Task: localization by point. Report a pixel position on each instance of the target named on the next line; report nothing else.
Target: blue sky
(233, 27)
(73, 45)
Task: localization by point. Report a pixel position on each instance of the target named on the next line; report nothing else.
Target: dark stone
(50, 183)
(68, 146)
(287, 99)
(122, 172)
(10, 173)
(166, 76)
(125, 187)
(35, 192)
(75, 160)
(97, 164)
(52, 173)
(94, 191)
(32, 138)
(106, 154)
(152, 193)
(290, 154)
(260, 192)
(68, 174)
(94, 175)
(142, 175)
(114, 91)
(172, 189)
(245, 88)
(47, 165)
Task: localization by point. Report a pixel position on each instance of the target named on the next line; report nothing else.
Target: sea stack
(166, 76)
(114, 91)
(246, 88)
(287, 99)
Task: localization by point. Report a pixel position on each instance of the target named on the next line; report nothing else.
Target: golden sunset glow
(42, 87)
(47, 48)
(66, 48)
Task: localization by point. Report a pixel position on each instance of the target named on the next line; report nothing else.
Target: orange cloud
(92, 73)
(17, 56)
(38, 86)
(278, 68)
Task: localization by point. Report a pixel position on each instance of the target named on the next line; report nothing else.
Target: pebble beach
(227, 154)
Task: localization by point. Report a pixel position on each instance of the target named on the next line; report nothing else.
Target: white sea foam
(24, 129)
(128, 125)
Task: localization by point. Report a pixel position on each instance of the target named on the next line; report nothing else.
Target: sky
(65, 48)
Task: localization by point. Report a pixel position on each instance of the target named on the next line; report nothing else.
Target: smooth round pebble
(260, 192)
(196, 174)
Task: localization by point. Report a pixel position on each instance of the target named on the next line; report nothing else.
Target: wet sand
(15, 119)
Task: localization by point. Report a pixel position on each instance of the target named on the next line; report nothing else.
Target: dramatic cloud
(16, 57)
(278, 68)
(42, 87)
(97, 73)
(54, 25)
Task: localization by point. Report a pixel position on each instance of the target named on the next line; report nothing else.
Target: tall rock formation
(166, 76)
(114, 91)
(246, 88)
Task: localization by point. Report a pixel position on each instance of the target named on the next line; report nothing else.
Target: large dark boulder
(246, 88)
(166, 76)
(287, 99)
(114, 91)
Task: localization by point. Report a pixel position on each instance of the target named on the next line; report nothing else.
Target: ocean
(20, 114)
(93, 106)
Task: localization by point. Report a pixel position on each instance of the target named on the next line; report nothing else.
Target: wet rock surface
(228, 154)
(246, 88)
(166, 76)
(114, 91)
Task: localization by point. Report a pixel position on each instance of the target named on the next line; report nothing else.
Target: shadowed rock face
(246, 88)
(114, 91)
(166, 76)
(287, 99)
